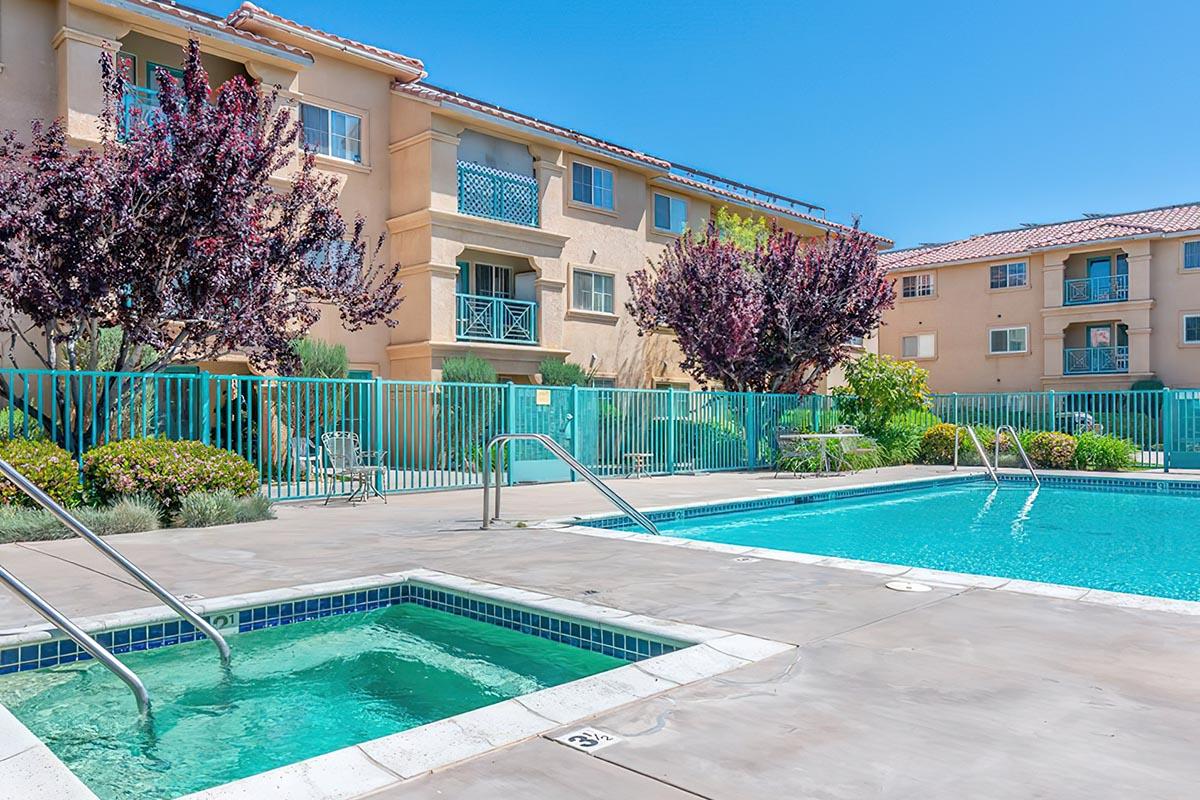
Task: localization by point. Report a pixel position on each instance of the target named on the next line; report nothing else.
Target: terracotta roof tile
(426, 91)
(199, 17)
(1160, 221)
(249, 10)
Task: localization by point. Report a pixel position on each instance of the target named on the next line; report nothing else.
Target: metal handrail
(1020, 449)
(79, 636)
(497, 444)
(152, 586)
(978, 449)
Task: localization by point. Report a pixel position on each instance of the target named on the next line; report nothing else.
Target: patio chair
(790, 448)
(304, 458)
(348, 462)
(848, 448)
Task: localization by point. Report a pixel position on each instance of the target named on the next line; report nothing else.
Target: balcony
(496, 194)
(139, 105)
(1096, 360)
(1097, 289)
(496, 319)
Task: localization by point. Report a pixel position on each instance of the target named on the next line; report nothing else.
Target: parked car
(1074, 422)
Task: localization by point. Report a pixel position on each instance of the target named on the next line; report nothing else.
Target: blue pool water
(1120, 541)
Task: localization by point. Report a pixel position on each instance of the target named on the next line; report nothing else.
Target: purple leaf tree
(775, 317)
(196, 230)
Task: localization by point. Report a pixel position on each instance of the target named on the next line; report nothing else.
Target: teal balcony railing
(496, 194)
(139, 105)
(1100, 289)
(496, 319)
(1095, 360)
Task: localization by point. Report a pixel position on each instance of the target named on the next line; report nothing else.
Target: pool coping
(28, 767)
(945, 578)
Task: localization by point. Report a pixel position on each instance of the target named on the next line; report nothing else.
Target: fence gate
(1181, 429)
(541, 409)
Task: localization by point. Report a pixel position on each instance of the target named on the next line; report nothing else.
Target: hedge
(165, 469)
(48, 466)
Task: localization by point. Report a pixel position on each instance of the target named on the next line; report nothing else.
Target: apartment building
(515, 235)
(1099, 302)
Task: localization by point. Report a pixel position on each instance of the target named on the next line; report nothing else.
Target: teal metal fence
(431, 435)
(425, 435)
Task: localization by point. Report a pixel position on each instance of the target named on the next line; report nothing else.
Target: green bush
(900, 440)
(164, 469)
(1104, 453)
(879, 388)
(556, 372)
(16, 424)
(320, 359)
(1142, 429)
(47, 465)
(468, 369)
(128, 515)
(1052, 449)
(204, 509)
(937, 444)
(254, 508)
(1147, 384)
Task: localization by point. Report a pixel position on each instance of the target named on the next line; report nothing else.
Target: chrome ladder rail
(80, 637)
(978, 449)
(1020, 449)
(152, 586)
(496, 445)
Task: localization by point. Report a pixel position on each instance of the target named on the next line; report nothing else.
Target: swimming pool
(345, 684)
(1135, 536)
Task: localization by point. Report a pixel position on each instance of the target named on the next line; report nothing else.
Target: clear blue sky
(931, 121)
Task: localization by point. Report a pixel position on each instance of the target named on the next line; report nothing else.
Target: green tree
(320, 359)
(880, 388)
(468, 369)
(746, 232)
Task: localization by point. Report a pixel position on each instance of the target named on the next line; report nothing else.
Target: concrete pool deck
(952, 693)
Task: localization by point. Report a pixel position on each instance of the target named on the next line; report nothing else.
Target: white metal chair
(349, 463)
(849, 447)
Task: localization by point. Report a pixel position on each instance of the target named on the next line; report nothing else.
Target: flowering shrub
(1052, 450)
(51, 469)
(937, 444)
(164, 469)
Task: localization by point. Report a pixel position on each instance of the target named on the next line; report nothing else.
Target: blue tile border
(1108, 483)
(611, 641)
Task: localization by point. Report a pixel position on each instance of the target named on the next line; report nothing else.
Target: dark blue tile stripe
(1105, 483)
(163, 634)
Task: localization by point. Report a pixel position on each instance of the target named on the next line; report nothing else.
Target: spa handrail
(152, 586)
(80, 637)
(497, 444)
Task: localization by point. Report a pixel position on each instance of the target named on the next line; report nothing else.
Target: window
(1191, 255)
(917, 285)
(1007, 340)
(920, 345)
(670, 213)
(332, 133)
(592, 186)
(1191, 329)
(493, 281)
(332, 255)
(1008, 276)
(592, 291)
(857, 341)
(604, 383)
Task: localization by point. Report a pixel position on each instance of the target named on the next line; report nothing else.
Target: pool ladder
(69, 628)
(990, 467)
(493, 454)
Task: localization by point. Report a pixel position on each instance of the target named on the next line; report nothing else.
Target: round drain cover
(907, 586)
